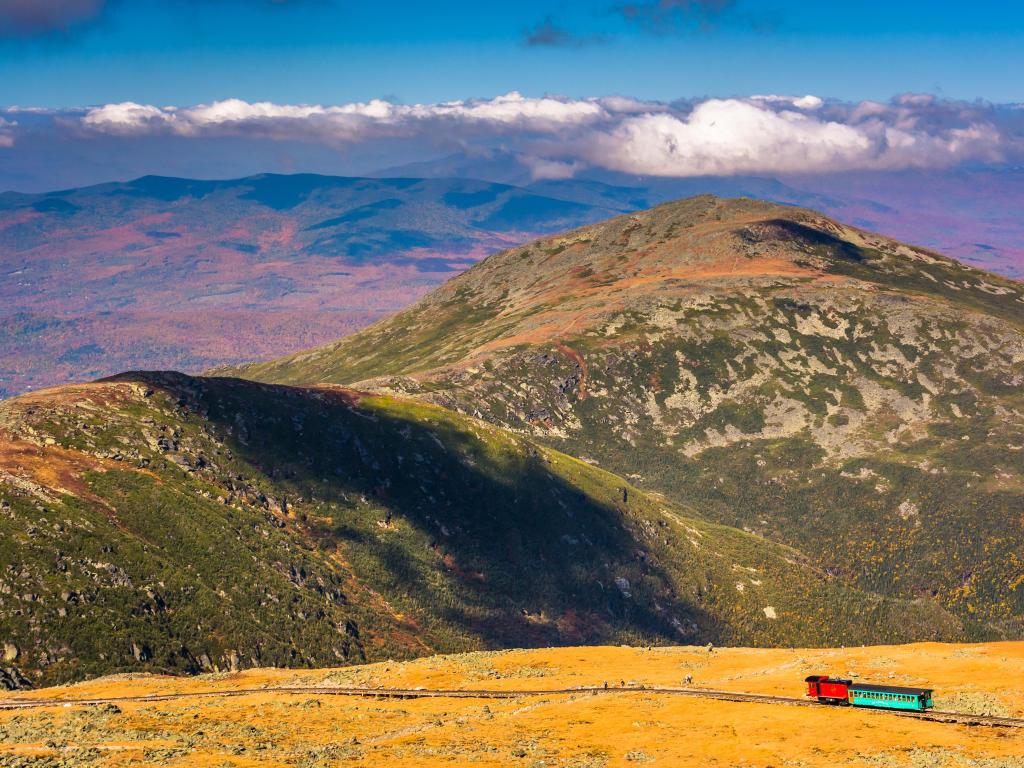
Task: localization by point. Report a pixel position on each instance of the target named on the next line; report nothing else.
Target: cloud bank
(559, 137)
(710, 137)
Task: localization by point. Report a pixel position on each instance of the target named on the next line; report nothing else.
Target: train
(834, 690)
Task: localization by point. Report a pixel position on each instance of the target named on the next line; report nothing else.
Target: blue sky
(334, 51)
(559, 88)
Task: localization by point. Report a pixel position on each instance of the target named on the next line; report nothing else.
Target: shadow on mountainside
(464, 526)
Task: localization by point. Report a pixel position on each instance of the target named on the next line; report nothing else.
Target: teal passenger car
(889, 697)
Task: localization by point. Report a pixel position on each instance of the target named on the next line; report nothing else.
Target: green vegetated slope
(850, 396)
(163, 522)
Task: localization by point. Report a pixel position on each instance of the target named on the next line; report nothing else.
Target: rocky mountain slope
(824, 387)
(163, 522)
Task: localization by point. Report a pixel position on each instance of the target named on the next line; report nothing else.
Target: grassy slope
(158, 521)
(824, 387)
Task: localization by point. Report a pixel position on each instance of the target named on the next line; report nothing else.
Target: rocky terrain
(818, 385)
(565, 731)
(158, 521)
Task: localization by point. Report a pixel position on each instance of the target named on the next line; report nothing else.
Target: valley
(187, 274)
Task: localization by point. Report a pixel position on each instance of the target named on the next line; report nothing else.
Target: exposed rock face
(854, 397)
(12, 680)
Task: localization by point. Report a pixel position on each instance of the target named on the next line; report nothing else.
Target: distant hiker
(711, 648)
(625, 495)
(689, 679)
(606, 685)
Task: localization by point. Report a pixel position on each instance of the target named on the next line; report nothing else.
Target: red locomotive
(828, 690)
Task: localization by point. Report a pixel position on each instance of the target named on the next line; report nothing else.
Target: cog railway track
(962, 718)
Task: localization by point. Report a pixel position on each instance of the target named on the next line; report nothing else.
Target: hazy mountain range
(186, 274)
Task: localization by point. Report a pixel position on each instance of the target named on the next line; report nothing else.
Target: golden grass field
(575, 730)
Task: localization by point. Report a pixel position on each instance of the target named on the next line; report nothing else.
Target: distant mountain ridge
(165, 272)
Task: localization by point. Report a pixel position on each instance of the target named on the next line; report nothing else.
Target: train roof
(890, 689)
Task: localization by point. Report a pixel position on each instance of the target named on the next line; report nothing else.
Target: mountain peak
(675, 254)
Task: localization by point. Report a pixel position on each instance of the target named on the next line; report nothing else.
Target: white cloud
(542, 169)
(345, 122)
(800, 102)
(807, 102)
(730, 136)
(126, 117)
(759, 134)
(513, 108)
